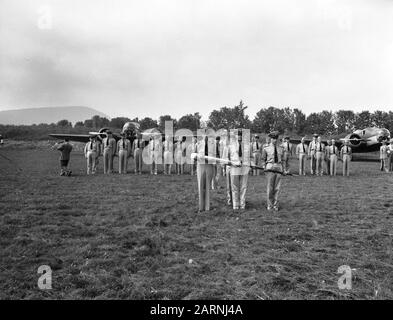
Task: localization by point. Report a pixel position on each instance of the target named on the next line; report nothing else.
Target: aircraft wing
(71, 137)
(339, 143)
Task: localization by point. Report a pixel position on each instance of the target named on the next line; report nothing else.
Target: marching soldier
(124, 152)
(92, 152)
(346, 155)
(256, 150)
(168, 154)
(327, 156)
(312, 153)
(301, 152)
(65, 148)
(272, 157)
(383, 156)
(332, 152)
(319, 156)
(239, 152)
(287, 148)
(137, 152)
(205, 170)
(109, 145)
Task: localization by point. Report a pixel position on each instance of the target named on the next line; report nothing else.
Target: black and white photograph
(210, 150)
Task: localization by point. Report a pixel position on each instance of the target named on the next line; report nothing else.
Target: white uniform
(256, 149)
(239, 152)
(301, 152)
(124, 151)
(92, 152)
(311, 154)
(109, 146)
(137, 151)
(205, 170)
(332, 153)
(346, 153)
(272, 157)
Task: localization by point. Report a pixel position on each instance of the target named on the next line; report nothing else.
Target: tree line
(285, 120)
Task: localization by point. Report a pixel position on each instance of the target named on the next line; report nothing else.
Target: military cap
(273, 134)
(287, 137)
(256, 136)
(315, 135)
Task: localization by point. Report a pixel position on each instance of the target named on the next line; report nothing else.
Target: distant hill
(48, 115)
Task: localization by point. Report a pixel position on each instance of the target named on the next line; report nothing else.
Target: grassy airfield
(140, 237)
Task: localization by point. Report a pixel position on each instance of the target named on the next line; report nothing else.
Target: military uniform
(383, 156)
(272, 157)
(390, 156)
(92, 152)
(205, 170)
(65, 149)
(155, 155)
(239, 152)
(332, 153)
(301, 152)
(345, 154)
(192, 148)
(256, 150)
(287, 153)
(312, 155)
(109, 146)
(217, 167)
(168, 155)
(124, 152)
(319, 157)
(327, 157)
(137, 151)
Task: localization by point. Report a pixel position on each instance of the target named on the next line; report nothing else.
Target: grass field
(140, 237)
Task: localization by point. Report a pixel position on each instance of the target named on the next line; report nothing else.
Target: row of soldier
(163, 152)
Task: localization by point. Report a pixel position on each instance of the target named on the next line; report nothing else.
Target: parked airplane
(130, 129)
(361, 141)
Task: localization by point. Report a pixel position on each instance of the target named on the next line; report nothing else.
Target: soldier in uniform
(178, 156)
(109, 146)
(256, 150)
(137, 152)
(65, 148)
(301, 152)
(346, 154)
(272, 158)
(332, 152)
(390, 155)
(327, 156)
(205, 170)
(193, 148)
(155, 153)
(319, 156)
(287, 148)
(217, 167)
(239, 152)
(124, 152)
(312, 154)
(92, 152)
(383, 156)
(168, 154)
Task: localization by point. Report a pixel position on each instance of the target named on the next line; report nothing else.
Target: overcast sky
(155, 57)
